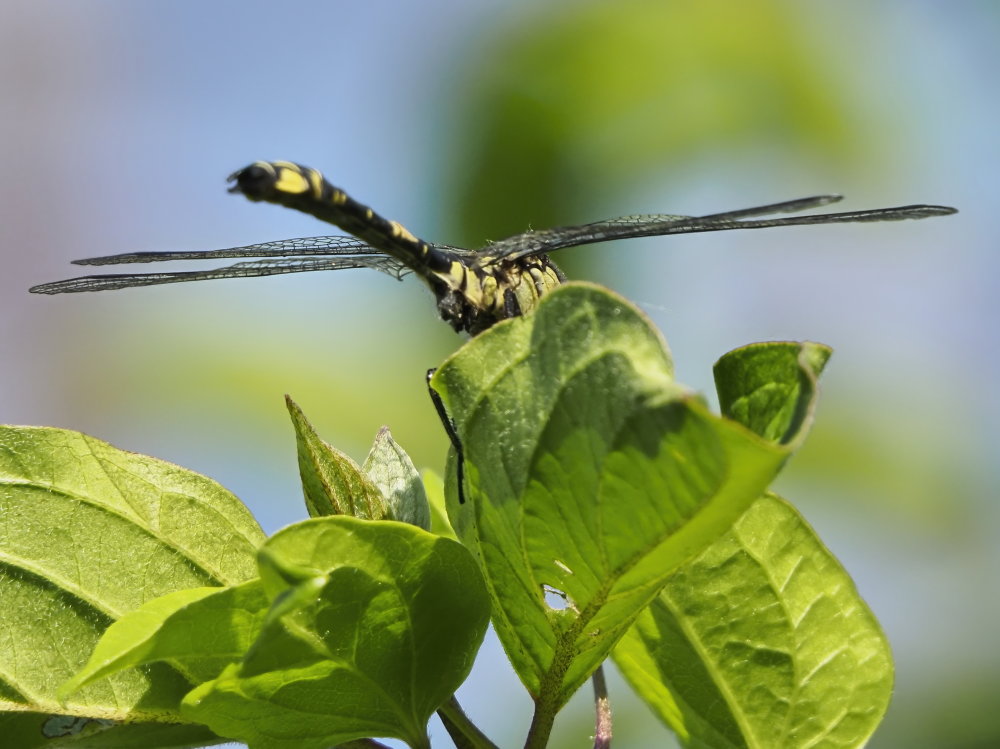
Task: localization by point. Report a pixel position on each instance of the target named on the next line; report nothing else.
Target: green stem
(541, 724)
(546, 709)
(463, 731)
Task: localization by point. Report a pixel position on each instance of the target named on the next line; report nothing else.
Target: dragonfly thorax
(473, 297)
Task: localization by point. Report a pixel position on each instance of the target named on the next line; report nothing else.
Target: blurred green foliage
(582, 99)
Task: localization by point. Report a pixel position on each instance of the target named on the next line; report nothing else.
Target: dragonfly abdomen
(307, 190)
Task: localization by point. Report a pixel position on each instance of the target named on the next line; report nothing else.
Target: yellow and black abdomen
(307, 190)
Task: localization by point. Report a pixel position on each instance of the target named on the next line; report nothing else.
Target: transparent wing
(238, 270)
(334, 245)
(626, 227)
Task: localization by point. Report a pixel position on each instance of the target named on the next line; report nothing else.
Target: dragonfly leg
(449, 428)
(511, 307)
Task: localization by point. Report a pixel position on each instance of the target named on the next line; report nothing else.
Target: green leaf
(770, 388)
(387, 487)
(762, 640)
(200, 630)
(382, 628)
(590, 476)
(88, 533)
(333, 484)
(434, 487)
(36, 731)
(392, 471)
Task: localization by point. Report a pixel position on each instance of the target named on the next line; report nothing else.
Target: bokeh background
(472, 120)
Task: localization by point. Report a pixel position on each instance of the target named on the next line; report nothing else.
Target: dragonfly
(474, 289)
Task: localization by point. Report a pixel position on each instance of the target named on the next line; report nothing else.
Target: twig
(602, 731)
(463, 731)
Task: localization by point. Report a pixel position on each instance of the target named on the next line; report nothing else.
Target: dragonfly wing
(627, 227)
(624, 227)
(549, 240)
(238, 270)
(332, 245)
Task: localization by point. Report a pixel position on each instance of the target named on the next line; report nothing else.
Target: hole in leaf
(555, 599)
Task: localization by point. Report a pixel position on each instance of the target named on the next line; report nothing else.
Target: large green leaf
(590, 476)
(375, 626)
(88, 533)
(761, 641)
(200, 630)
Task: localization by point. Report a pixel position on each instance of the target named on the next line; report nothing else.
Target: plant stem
(541, 724)
(602, 731)
(545, 716)
(463, 731)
